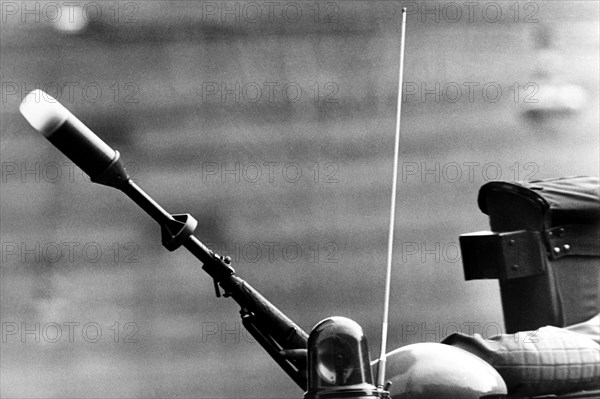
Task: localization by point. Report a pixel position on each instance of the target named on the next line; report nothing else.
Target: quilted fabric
(550, 360)
(590, 328)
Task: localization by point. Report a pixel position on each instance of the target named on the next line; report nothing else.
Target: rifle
(278, 335)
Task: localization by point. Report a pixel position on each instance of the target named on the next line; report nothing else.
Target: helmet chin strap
(388, 276)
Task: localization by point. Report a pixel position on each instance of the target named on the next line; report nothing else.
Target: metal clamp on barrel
(114, 175)
(175, 232)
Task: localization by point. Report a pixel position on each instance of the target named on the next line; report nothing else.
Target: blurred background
(272, 123)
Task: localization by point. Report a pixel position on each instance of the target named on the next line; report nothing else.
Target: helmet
(431, 370)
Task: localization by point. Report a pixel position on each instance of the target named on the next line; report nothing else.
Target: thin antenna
(388, 275)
